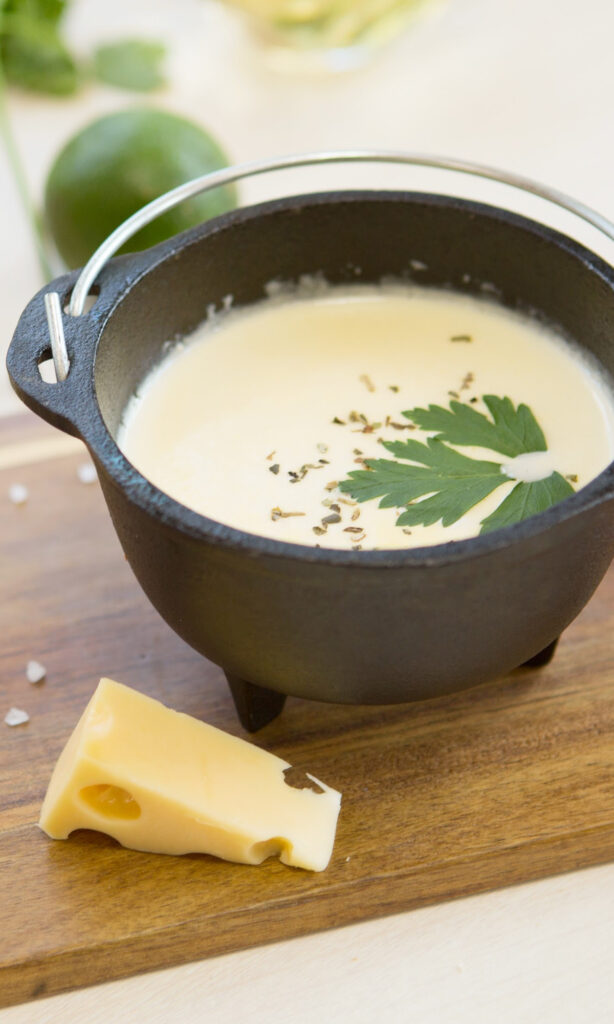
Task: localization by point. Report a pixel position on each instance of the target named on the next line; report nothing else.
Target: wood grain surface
(505, 783)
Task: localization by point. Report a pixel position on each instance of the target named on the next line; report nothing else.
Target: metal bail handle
(206, 182)
(53, 310)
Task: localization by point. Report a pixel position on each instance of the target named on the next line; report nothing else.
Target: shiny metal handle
(229, 175)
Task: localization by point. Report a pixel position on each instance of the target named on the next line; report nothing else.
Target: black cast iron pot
(353, 627)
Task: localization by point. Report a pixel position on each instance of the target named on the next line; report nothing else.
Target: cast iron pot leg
(542, 657)
(256, 706)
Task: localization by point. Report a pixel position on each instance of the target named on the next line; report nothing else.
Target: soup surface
(371, 417)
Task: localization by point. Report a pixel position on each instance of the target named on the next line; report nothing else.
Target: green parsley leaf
(131, 64)
(455, 482)
(510, 431)
(526, 499)
(449, 483)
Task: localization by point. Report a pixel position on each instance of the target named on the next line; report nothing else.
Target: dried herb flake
(276, 513)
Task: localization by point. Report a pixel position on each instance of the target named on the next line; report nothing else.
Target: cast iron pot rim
(140, 491)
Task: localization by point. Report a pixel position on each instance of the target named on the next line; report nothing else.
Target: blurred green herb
(36, 57)
(132, 64)
(450, 483)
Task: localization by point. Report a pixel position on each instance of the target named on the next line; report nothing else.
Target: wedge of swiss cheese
(160, 781)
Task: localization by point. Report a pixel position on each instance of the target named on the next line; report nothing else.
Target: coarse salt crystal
(18, 494)
(16, 717)
(86, 472)
(35, 672)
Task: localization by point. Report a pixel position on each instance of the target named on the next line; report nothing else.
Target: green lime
(117, 164)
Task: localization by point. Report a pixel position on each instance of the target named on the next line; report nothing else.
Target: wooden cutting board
(502, 784)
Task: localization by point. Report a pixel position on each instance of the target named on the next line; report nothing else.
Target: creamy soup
(371, 417)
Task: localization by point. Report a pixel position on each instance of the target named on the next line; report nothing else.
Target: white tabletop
(525, 85)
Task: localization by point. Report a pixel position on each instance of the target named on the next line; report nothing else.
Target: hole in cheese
(110, 801)
(299, 779)
(271, 848)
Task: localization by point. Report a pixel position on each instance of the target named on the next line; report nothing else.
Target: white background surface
(525, 85)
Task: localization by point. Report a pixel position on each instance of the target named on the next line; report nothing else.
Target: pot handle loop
(227, 176)
(205, 182)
